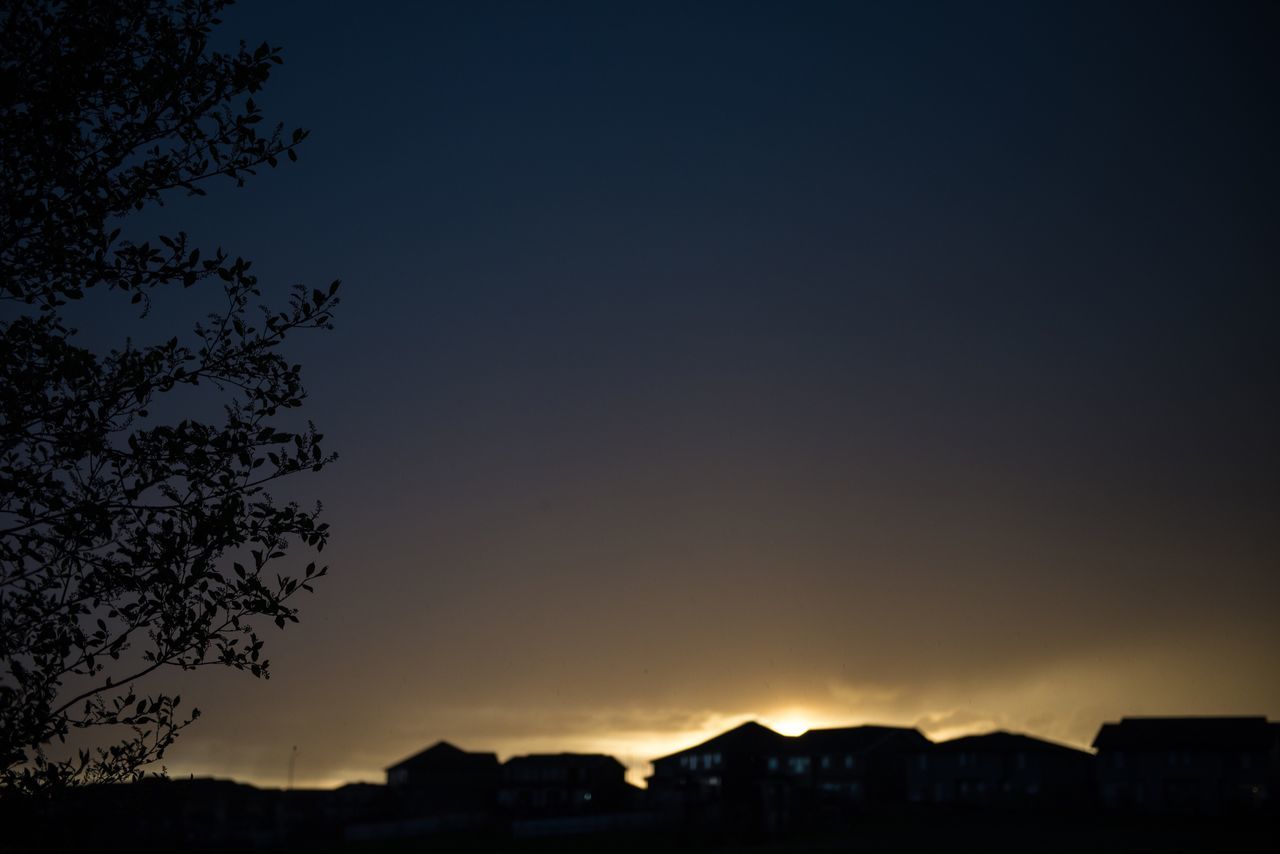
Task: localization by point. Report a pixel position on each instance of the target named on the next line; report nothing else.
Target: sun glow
(790, 724)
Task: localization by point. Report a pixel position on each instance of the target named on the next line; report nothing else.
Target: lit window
(848, 760)
(773, 763)
(826, 762)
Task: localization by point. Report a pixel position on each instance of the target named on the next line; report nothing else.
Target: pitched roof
(860, 739)
(444, 756)
(1188, 733)
(750, 737)
(1005, 742)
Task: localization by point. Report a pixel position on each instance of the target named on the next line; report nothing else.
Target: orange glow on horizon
(790, 725)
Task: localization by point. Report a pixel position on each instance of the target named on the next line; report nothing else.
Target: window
(922, 762)
(717, 758)
(826, 762)
(848, 760)
(773, 763)
(799, 764)
(1020, 760)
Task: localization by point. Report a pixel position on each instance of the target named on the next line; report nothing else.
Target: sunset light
(526, 419)
(790, 724)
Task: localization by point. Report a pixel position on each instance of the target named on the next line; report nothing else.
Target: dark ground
(980, 836)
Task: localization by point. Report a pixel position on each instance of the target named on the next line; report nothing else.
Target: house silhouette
(1207, 766)
(563, 783)
(445, 779)
(754, 777)
(1000, 769)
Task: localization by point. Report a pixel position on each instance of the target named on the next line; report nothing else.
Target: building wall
(1023, 779)
(1185, 781)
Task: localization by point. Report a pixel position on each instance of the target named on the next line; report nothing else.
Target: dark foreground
(870, 835)
(950, 834)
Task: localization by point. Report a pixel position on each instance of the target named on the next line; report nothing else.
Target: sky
(817, 364)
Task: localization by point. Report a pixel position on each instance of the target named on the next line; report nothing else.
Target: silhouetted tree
(133, 539)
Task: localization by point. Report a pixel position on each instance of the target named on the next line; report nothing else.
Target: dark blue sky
(708, 360)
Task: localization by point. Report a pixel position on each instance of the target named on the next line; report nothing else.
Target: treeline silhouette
(1159, 783)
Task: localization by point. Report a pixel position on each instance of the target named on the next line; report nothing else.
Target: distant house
(1204, 766)
(1001, 769)
(358, 802)
(719, 779)
(563, 783)
(445, 779)
(753, 776)
(858, 765)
